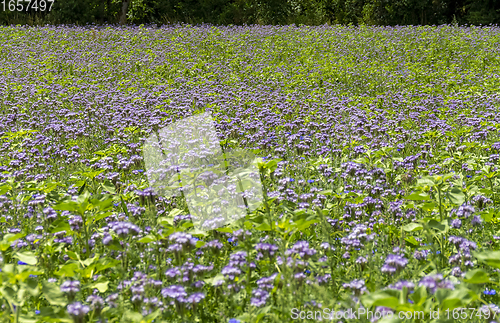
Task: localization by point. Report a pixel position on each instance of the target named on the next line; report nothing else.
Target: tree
(123, 16)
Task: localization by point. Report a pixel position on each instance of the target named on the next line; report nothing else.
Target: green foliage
(238, 12)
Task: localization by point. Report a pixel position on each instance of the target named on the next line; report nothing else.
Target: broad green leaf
(148, 238)
(100, 286)
(27, 257)
(53, 294)
(164, 221)
(456, 196)
(131, 316)
(71, 206)
(410, 227)
(426, 181)
(491, 258)
(4, 188)
(212, 281)
(412, 241)
(9, 294)
(440, 226)
(225, 230)
(32, 287)
(477, 276)
(417, 196)
(198, 232)
(68, 269)
(419, 295)
(380, 298)
(9, 237)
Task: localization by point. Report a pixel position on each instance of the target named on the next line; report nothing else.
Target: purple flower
(75, 222)
(259, 298)
(96, 302)
(456, 223)
(394, 263)
(401, 284)
(195, 298)
(78, 310)
(302, 249)
(267, 249)
(357, 286)
(175, 292)
(70, 287)
(123, 229)
(231, 272)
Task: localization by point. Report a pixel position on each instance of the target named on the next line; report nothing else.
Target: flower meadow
(377, 147)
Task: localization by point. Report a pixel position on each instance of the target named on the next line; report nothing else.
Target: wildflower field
(377, 149)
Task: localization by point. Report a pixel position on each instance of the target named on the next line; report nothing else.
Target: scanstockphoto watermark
(328, 314)
(186, 159)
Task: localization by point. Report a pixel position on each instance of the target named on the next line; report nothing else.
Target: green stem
(440, 204)
(18, 311)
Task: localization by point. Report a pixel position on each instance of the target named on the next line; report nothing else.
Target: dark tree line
(311, 12)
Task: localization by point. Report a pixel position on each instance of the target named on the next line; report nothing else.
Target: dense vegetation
(239, 12)
(379, 158)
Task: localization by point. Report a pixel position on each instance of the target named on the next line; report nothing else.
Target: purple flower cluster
(393, 264)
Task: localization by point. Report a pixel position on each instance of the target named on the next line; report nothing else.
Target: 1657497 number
(469, 313)
(26, 5)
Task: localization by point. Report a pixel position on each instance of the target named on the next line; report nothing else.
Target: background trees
(313, 12)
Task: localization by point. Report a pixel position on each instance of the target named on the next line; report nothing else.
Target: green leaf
(225, 230)
(4, 188)
(413, 227)
(104, 203)
(487, 216)
(164, 221)
(412, 241)
(68, 270)
(101, 286)
(108, 186)
(380, 298)
(148, 238)
(456, 196)
(27, 257)
(53, 294)
(32, 287)
(71, 206)
(264, 226)
(175, 212)
(425, 181)
(212, 281)
(417, 196)
(429, 206)
(389, 319)
(9, 294)
(272, 165)
(451, 303)
(131, 316)
(419, 295)
(440, 226)
(62, 225)
(13, 237)
(198, 232)
(261, 312)
(491, 258)
(151, 317)
(477, 276)
(105, 263)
